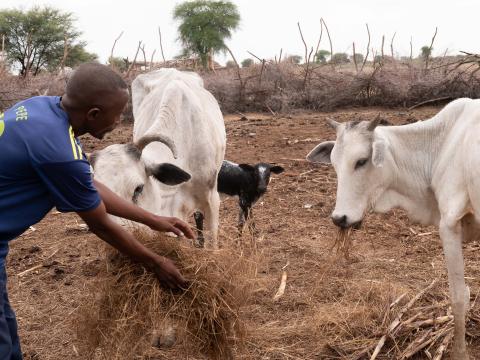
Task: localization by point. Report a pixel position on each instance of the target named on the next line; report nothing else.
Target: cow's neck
(410, 163)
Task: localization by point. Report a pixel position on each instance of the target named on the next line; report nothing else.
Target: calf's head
(358, 156)
(120, 167)
(260, 174)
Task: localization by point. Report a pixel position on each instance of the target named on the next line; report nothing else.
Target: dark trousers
(9, 341)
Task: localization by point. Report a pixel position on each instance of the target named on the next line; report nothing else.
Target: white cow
(177, 122)
(431, 169)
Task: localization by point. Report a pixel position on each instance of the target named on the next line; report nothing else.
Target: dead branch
(144, 57)
(391, 45)
(240, 79)
(151, 58)
(430, 49)
(368, 49)
(65, 52)
(329, 39)
(429, 102)
(355, 58)
(134, 59)
(113, 47)
(303, 40)
(161, 46)
(319, 40)
(383, 43)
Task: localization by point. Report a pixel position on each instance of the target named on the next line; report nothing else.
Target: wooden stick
(134, 59)
(29, 270)
(368, 50)
(281, 288)
(329, 39)
(161, 46)
(113, 47)
(396, 321)
(443, 346)
(429, 101)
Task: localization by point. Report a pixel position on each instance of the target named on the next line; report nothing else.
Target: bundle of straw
(132, 313)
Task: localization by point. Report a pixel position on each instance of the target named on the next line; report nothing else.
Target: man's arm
(117, 206)
(101, 225)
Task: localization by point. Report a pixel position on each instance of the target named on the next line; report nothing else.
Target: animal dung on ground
(132, 315)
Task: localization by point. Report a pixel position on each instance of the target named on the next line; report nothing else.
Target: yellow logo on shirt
(2, 123)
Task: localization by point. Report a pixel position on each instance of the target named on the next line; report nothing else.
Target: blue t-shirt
(41, 166)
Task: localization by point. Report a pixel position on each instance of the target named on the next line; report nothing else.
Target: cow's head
(357, 155)
(121, 168)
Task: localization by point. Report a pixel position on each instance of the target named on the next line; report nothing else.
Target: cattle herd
(175, 167)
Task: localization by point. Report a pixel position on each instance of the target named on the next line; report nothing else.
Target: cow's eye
(136, 193)
(360, 163)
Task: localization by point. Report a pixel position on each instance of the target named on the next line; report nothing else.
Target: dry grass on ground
(331, 308)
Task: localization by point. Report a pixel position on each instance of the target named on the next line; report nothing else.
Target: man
(42, 166)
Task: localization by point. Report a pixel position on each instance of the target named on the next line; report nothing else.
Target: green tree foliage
(247, 62)
(358, 58)
(340, 58)
(294, 59)
(35, 39)
(205, 25)
(425, 52)
(321, 56)
(230, 64)
(118, 63)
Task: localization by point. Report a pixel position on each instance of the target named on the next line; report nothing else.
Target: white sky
(269, 25)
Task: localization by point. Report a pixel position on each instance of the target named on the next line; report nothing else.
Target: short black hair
(90, 81)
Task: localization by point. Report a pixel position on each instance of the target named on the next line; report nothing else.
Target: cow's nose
(340, 221)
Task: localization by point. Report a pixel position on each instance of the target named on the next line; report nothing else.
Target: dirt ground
(326, 298)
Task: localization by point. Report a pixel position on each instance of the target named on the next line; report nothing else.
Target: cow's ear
(169, 174)
(378, 152)
(277, 169)
(321, 153)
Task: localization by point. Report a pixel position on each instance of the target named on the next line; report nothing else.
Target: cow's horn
(374, 123)
(147, 139)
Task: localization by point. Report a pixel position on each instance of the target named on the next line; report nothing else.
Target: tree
(247, 62)
(35, 39)
(321, 56)
(425, 52)
(339, 58)
(294, 59)
(204, 27)
(118, 63)
(358, 58)
(230, 64)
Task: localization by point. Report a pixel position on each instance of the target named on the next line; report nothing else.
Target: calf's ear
(169, 174)
(277, 169)
(321, 153)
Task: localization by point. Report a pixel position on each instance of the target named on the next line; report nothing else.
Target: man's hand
(168, 274)
(171, 224)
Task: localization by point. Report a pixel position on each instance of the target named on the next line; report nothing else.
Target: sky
(270, 25)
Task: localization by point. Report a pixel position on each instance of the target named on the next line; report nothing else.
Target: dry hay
(419, 328)
(343, 242)
(133, 317)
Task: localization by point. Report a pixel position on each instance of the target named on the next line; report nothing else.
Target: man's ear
(277, 169)
(378, 152)
(93, 113)
(169, 174)
(247, 167)
(321, 153)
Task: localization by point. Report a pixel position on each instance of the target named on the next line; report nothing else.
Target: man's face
(107, 117)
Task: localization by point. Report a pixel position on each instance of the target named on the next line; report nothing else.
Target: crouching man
(43, 166)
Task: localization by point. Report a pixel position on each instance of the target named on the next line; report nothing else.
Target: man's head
(95, 98)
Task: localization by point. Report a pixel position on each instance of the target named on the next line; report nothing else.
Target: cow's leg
(198, 216)
(211, 211)
(451, 235)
